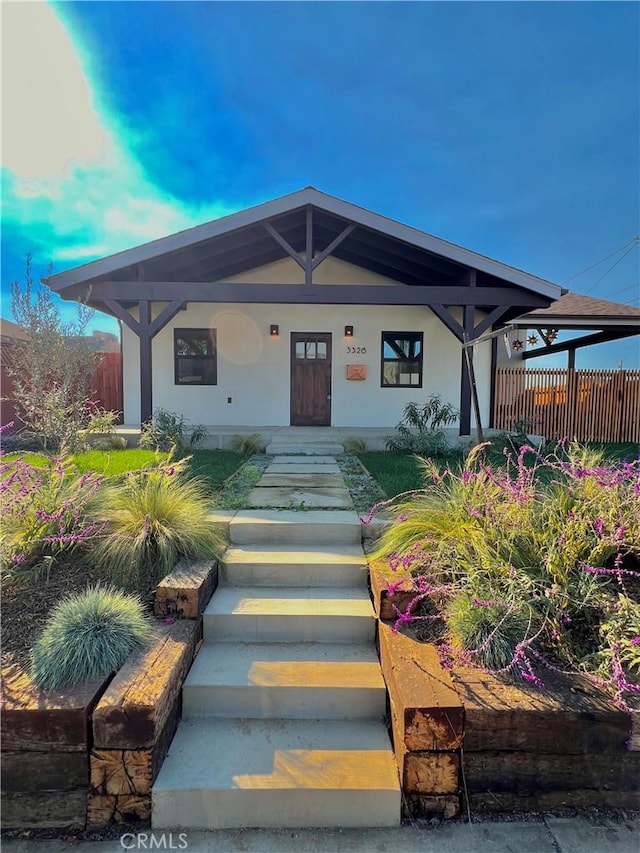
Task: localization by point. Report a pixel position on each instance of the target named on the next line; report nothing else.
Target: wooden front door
(310, 379)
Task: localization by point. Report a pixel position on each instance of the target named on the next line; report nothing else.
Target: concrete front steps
(230, 773)
(283, 708)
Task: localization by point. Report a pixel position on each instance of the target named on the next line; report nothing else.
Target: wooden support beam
(449, 320)
(165, 316)
(492, 380)
(465, 372)
(602, 337)
(296, 294)
(308, 267)
(146, 391)
(282, 242)
(333, 245)
(122, 314)
(489, 321)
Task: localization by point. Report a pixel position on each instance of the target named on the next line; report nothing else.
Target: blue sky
(512, 129)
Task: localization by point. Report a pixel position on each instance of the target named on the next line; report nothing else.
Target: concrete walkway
(548, 835)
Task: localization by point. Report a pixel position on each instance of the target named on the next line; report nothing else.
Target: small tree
(52, 368)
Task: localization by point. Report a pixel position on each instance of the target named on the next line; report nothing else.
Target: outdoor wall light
(274, 331)
(348, 331)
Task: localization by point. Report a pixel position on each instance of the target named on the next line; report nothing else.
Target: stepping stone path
(283, 708)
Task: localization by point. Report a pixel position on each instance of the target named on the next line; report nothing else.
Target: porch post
(146, 390)
(468, 314)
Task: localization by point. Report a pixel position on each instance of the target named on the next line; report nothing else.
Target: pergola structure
(601, 320)
(469, 293)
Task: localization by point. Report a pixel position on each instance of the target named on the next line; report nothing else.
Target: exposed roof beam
(333, 245)
(285, 245)
(602, 337)
(345, 294)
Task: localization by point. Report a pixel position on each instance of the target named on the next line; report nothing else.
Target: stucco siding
(253, 368)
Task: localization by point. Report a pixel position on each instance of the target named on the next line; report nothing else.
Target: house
(304, 311)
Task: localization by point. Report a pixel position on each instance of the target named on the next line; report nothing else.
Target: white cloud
(69, 181)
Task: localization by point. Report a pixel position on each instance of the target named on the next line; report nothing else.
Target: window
(401, 360)
(195, 356)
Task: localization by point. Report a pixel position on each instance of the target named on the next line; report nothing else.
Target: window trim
(419, 336)
(195, 332)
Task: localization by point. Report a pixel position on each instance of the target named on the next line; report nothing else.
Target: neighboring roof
(12, 331)
(573, 309)
(395, 247)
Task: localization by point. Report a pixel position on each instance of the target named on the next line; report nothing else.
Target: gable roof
(224, 246)
(573, 309)
(11, 331)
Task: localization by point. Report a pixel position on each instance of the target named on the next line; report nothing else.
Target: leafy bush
(421, 428)
(168, 430)
(89, 636)
(152, 519)
(533, 571)
(249, 445)
(354, 444)
(52, 368)
(44, 506)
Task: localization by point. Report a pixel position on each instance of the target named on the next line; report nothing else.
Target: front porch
(220, 437)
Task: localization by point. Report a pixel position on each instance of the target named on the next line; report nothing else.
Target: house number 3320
(357, 350)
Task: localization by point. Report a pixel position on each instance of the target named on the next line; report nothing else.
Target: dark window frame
(417, 336)
(210, 334)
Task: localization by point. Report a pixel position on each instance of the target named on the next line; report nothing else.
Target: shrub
(52, 368)
(89, 636)
(354, 444)
(168, 430)
(153, 518)
(533, 570)
(421, 428)
(249, 445)
(44, 506)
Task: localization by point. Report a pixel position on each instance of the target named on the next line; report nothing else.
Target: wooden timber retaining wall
(89, 756)
(464, 739)
(582, 405)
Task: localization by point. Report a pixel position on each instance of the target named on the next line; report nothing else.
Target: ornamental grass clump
(45, 514)
(536, 563)
(153, 518)
(89, 636)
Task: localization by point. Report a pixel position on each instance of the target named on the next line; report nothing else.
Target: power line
(631, 242)
(624, 290)
(613, 266)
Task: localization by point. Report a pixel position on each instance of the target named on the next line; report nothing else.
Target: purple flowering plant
(45, 513)
(533, 564)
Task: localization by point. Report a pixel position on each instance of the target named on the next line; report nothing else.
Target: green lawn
(397, 472)
(212, 466)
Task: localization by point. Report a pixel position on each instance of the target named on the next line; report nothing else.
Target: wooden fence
(583, 405)
(107, 383)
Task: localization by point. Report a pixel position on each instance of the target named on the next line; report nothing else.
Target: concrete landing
(279, 467)
(296, 459)
(300, 448)
(302, 497)
(295, 479)
(284, 773)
